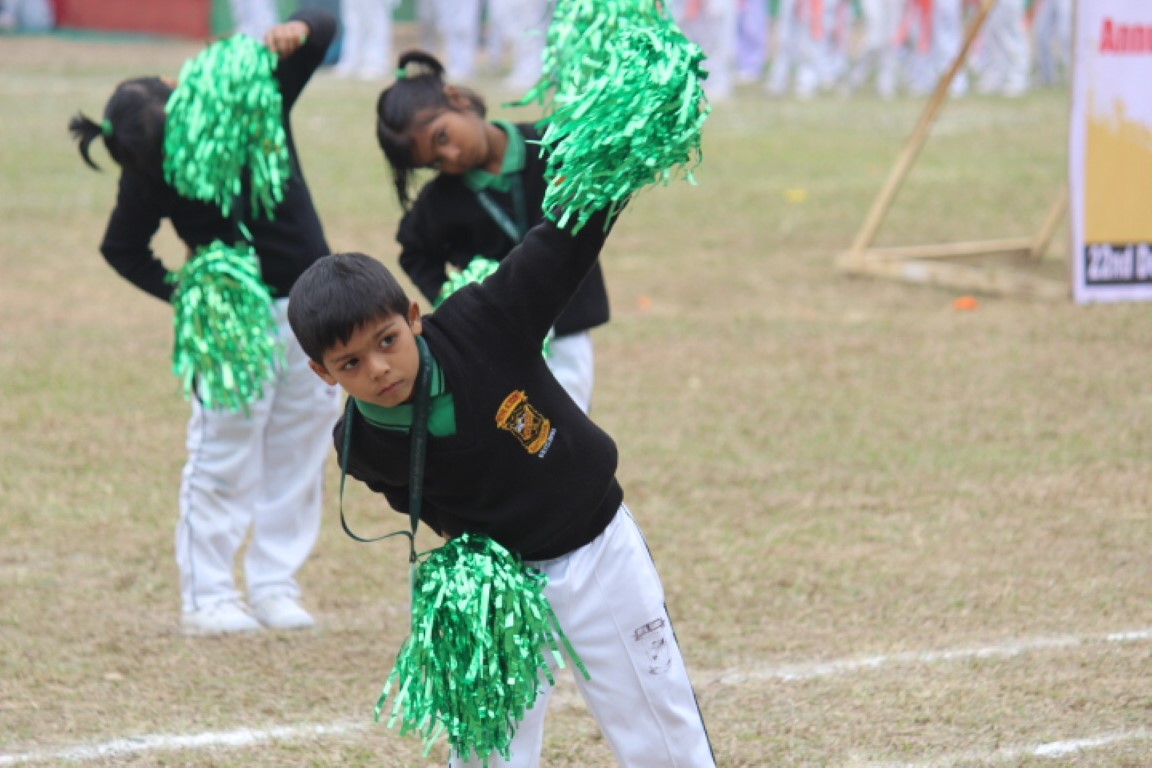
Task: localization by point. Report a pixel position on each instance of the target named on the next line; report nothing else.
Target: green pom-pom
(225, 116)
(470, 669)
(225, 346)
(580, 27)
(476, 272)
(624, 88)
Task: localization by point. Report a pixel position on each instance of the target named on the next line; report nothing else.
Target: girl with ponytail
(260, 469)
(487, 192)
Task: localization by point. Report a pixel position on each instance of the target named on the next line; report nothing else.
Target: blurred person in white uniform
(521, 27)
(254, 17)
(1004, 62)
(876, 59)
(366, 47)
(1052, 40)
(711, 24)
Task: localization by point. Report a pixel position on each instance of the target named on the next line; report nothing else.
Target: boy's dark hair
(132, 128)
(416, 98)
(338, 294)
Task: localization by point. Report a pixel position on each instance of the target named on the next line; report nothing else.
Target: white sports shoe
(282, 612)
(219, 619)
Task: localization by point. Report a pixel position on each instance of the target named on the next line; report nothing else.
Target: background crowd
(807, 47)
(797, 48)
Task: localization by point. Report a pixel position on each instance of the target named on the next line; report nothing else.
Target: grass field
(892, 533)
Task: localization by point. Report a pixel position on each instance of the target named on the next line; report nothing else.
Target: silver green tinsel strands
(225, 118)
(477, 271)
(481, 629)
(624, 89)
(225, 346)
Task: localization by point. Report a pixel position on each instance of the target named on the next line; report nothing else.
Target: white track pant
(796, 60)
(712, 25)
(571, 361)
(1005, 60)
(521, 25)
(945, 38)
(610, 603)
(261, 472)
(881, 19)
(367, 44)
(254, 17)
(1052, 38)
(458, 22)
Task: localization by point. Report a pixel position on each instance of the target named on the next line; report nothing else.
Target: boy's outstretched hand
(284, 39)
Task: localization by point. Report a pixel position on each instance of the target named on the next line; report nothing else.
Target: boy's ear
(414, 321)
(322, 372)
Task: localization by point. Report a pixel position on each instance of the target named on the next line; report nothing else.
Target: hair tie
(401, 73)
(106, 127)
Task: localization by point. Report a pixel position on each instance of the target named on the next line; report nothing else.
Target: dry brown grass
(826, 468)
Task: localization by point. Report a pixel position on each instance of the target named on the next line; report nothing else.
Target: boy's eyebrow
(379, 332)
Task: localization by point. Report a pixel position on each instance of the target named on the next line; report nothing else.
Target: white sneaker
(282, 612)
(219, 619)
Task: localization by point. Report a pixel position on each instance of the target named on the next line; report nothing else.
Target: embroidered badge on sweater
(531, 428)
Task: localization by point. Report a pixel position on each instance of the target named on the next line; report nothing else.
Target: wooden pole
(1017, 246)
(1048, 229)
(948, 274)
(867, 234)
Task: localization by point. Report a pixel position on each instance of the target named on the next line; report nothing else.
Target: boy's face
(379, 363)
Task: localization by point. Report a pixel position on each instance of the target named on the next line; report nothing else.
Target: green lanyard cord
(419, 434)
(514, 230)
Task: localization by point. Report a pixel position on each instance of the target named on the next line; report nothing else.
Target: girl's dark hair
(338, 294)
(417, 97)
(132, 128)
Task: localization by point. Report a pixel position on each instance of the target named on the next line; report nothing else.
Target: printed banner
(1110, 153)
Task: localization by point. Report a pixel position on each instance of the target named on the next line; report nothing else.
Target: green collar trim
(398, 418)
(480, 179)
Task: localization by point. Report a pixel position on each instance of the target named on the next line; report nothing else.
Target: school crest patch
(531, 428)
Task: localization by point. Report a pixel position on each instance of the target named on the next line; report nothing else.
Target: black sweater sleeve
(142, 204)
(425, 268)
(538, 278)
(296, 70)
(127, 244)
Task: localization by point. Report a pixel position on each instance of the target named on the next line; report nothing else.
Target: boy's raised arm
(536, 280)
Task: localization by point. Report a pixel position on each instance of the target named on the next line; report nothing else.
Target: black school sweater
(526, 466)
(285, 245)
(447, 224)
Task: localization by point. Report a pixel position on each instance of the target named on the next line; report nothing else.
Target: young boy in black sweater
(510, 456)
